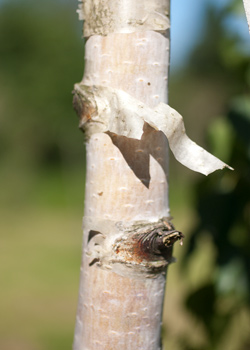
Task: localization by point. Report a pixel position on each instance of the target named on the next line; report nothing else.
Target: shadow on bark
(137, 152)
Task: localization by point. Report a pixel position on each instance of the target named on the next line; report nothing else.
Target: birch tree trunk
(127, 231)
(128, 236)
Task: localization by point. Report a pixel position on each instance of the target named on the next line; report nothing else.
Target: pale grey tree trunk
(122, 284)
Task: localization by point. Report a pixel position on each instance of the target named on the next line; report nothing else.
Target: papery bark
(121, 298)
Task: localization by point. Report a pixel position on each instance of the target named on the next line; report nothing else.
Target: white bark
(120, 306)
(120, 16)
(126, 183)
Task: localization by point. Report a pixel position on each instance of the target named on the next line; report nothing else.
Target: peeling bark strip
(118, 112)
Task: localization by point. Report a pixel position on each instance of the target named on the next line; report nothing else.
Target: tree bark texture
(127, 231)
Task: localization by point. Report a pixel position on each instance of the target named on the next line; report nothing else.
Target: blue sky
(186, 26)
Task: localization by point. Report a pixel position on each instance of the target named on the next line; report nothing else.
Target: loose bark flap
(114, 110)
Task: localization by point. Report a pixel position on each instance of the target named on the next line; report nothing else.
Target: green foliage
(223, 204)
(41, 58)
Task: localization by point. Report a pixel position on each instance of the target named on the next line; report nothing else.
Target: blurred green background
(42, 183)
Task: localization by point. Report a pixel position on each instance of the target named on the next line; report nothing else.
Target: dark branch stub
(159, 241)
(145, 246)
(149, 245)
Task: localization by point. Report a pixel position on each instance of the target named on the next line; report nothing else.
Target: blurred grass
(40, 260)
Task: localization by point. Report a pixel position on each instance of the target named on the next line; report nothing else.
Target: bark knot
(85, 108)
(139, 248)
(148, 245)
